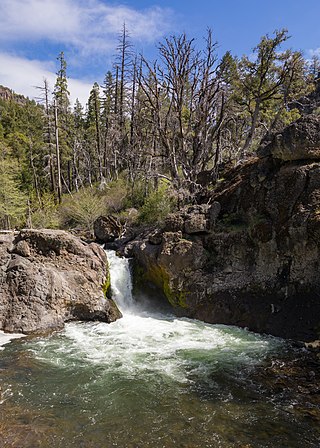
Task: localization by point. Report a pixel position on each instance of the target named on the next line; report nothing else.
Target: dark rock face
(298, 141)
(48, 277)
(107, 229)
(194, 219)
(257, 264)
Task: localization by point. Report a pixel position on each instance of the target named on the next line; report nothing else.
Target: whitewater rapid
(148, 380)
(5, 338)
(150, 342)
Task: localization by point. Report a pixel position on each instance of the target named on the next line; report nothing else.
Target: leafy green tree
(13, 203)
(267, 81)
(93, 132)
(63, 125)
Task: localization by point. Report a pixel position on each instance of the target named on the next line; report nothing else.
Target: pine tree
(267, 83)
(13, 202)
(62, 125)
(93, 130)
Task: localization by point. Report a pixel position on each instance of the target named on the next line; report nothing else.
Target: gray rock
(155, 237)
(196, 223)
(258, 266)
(213, 213)
(174, 222)
(107, 229)
(48, 277)
(22, 248)
(298, 141)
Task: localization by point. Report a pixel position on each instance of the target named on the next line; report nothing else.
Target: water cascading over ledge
(148, 380)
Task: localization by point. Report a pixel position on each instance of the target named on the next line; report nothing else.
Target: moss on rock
(161, 278)
(106, 286)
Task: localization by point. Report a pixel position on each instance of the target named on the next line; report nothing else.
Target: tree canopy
(174, 118)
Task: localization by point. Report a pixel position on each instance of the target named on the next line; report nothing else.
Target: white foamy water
(121, 283)
(148, 380)
(137, 345)
(140, 344)
(5, 338)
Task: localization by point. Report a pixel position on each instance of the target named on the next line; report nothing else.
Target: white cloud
(87, 25)
(37, 19)
(87, 29)
(314, 52)
(22, 75)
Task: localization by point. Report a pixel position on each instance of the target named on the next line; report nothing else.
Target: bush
(82, 209)
(157, 205)
(115, 195)
(47, 216)
(13, 202)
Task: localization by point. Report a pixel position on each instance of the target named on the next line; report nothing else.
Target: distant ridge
(7, 94)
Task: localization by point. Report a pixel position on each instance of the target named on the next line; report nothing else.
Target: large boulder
(48, 277)
(298, 141)
(107, 229)
(194, 219)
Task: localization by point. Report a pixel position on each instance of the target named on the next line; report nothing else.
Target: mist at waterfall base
(147, 380)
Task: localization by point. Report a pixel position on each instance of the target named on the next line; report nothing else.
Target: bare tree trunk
(29, 217)
(132, 124)
(116, 92)
(98, 135)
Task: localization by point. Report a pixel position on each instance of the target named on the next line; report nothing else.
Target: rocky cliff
(7, 94)
(48, 277)
(250, 256)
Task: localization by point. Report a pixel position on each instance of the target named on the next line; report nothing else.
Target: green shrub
(157, 205)
(46, 216)
(13, 202)
(82, 209)
(115, 196)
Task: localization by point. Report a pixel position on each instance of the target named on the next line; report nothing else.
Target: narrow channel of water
(146, 380)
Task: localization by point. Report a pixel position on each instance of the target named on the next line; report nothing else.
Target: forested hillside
(150, 137)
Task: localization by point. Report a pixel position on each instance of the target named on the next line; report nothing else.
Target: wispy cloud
(23, 75)
(87, 25)
(86, 29)
(313, 52)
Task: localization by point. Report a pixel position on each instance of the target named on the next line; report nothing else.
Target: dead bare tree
(184, 92)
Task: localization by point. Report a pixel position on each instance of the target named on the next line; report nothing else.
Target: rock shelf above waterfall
(255, 264)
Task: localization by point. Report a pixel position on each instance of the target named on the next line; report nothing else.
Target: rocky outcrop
(48, 277)
(298, 141)
(194, 219)
(257, 263)
(7, 94)
(107, 229)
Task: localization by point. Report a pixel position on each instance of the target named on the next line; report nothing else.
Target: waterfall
(148, 379)
(121, 283)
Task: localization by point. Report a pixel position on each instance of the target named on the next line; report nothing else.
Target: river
(149, 379)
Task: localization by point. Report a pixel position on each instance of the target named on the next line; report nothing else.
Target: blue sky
(33, 32)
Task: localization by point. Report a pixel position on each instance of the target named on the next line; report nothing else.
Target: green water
(147, 380)
(144, 382)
